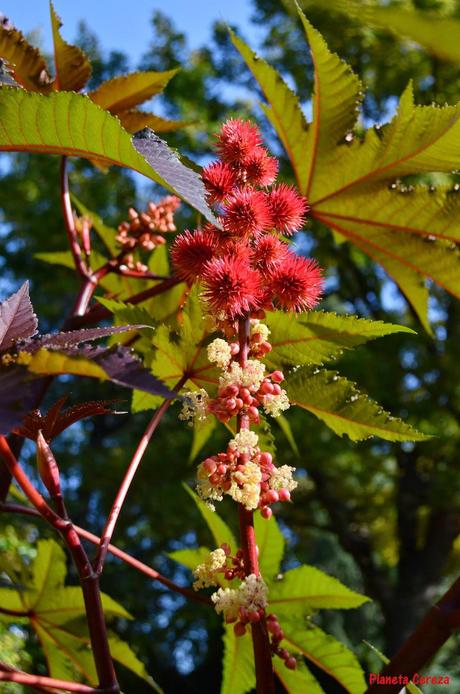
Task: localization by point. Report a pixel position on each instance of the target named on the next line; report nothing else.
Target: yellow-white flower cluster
(258, 328)
(219, 353)
(205, 490)
(252, 594)
(194, 406)
(245, 487)
(245, 441)
(250, 376)
(281, 478)
(275, 404)
(206, 573)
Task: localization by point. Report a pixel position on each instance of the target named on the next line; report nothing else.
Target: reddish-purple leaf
(17, 318)
(18, 395)
(72, 338)
(56, 420)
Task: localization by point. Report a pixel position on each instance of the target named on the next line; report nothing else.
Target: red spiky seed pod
(190, 253)
(219, 180)
(260, 169)
(237, 141)
(288, 209)
(247, 213)
(231, 287)
(267, 253)
(297, 284)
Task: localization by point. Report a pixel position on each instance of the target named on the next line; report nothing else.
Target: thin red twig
(116, 552)
(69, 220)
(47, 684)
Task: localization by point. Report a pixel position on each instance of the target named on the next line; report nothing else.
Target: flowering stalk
(245, 267)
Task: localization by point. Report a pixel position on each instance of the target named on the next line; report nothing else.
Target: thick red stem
(88, 579)
(46, 684)
(265, 682)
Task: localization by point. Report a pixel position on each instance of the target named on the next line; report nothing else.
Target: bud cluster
(143, 230)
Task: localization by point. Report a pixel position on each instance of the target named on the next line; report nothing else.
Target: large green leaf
(202, 432)
(298, 680)
(73, 68)
(439, 35)
(345, 410)
(307, 588)
(238, 664)
(283, 110)
(319, 336)
(351, 182)
(190, 557)
(71, 124)
(327, 653)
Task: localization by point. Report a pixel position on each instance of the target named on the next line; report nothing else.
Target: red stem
(265, 683)
(69, 220)
(127, 480)
(46, 684)
(127, 558)
(88, 579)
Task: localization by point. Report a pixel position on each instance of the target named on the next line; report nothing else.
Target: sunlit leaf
(327, 653)
(270, 542)
(219, 529)
(73, 68)
(340, 405)
(298, 680)
(238, 664)
(25, 63)
(71, 124)
(136, 120)
(190, 557)
(127, 91)
(310, 588)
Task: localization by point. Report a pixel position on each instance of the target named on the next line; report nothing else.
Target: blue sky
(125, 25)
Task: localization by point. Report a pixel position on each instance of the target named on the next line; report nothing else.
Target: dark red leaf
(17, 318)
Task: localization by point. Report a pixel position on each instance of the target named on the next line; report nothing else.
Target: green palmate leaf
(71, 124)
(123, 93)
(48, 570)
(128, 313)
(336, 98)
(73, 68)
(10, 599)
(190, 557)
(238, 664)
(439, 35)
(319, 336)
(411, 231)
(298, 680)
(26, 64)
(326, 653)
(345, 410)
(270, 542)
(309, 588)
(135, 120)
(202, 431)
(283, 110)
(106, 234)
(219, 529)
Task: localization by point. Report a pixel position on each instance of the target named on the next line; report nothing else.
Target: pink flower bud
(266, 512)
(271, 497)
(234, 348)
(291, 663)
(47, 466)
(277, 376)
(239, 629)
(266, 458)
(284, 495)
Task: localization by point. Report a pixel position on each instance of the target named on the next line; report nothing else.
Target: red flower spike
(191, 252)
(297, 283)
(246, 213)
(237, 141)
(219, 180)
(260, 169)
(231, 286)
(288, 209)
(267, 254)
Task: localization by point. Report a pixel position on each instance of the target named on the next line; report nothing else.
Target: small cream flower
(205, 490)
(245, 487)
(244, 442)
(275, 404)
(281, 478)
(252, 594)
(219, 353)
(206, 573)
(194, 406)
(258, 328)
(251, 376)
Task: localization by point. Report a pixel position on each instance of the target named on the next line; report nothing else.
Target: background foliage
(383, 517)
